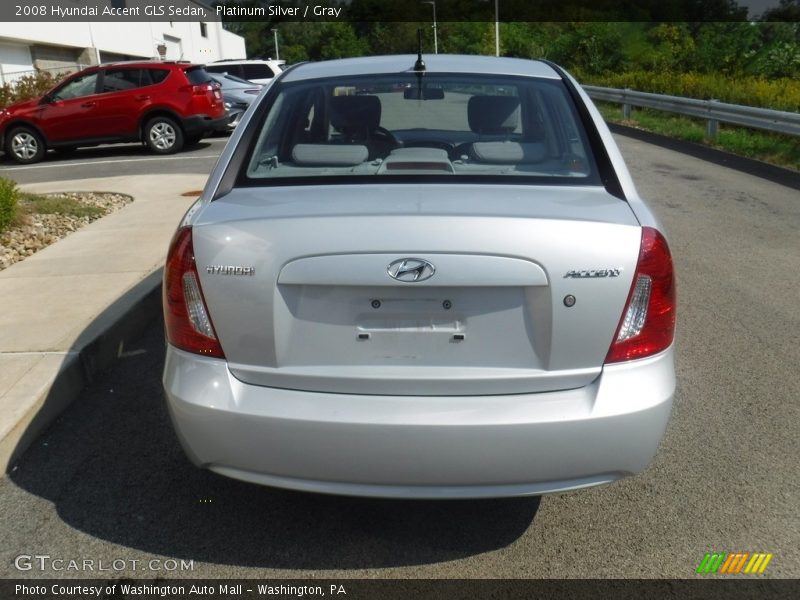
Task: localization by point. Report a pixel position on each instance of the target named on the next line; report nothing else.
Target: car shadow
(112, 467)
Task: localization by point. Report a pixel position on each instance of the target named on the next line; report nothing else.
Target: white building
(58, 46)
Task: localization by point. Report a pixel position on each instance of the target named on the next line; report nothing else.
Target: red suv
(165, 105)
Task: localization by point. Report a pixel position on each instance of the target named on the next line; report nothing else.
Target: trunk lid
(298, 286)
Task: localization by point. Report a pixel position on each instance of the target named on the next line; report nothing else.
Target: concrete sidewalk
(68, 310)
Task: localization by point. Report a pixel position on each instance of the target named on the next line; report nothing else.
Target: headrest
(355, 113)
(493, 114)
(508, 153)
(319, 155)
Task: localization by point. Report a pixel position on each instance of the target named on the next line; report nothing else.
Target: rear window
(453, 126)
(197, 76)
(231, 69)
(158, 75)
(221, 79)
(257, 71)
(115, 80)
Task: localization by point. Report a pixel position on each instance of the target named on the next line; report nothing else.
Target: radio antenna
(420, 64)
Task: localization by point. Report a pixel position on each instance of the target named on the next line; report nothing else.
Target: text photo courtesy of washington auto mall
(383, 299)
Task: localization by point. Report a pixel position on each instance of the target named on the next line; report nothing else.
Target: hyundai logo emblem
(411, 270)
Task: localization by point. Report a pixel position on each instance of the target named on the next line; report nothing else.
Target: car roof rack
(139, 61)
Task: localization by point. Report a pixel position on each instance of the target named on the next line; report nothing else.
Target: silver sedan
(421, 279)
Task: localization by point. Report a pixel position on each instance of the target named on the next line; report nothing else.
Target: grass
(35, 204)
(781, 150)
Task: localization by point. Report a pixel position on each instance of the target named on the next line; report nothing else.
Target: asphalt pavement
(115, 160)
(109, 481)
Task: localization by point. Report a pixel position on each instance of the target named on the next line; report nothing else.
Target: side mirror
(52, 100)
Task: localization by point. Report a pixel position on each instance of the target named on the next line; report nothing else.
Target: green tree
(671, 47)
(396, 38)
(339, 40)
(462, 37)
(725, 47)
(787, 10)
(593, 47)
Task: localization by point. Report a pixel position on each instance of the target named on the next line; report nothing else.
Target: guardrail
(713, 111)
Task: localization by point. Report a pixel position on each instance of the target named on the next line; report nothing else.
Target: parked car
(454, 292)
(238, 94)
(165, 105)
(257, 71)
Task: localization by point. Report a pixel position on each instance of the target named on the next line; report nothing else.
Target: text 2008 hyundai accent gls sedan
(422, 281)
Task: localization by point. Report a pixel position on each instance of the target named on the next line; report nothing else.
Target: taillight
(185, 314)
(202, 89)
(647, 326)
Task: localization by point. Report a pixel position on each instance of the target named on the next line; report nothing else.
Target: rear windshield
(409, 126)
(225, 80)
(197, 76)
(257, 71)
(233, 69)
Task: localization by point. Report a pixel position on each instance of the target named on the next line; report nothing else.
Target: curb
(97, 347)
(750, 166)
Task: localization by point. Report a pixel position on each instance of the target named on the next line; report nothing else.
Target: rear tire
(163, 135)
(24, 145)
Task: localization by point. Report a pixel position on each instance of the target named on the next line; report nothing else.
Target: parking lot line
(102, 162)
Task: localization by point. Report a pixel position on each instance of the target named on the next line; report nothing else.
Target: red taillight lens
(202, 89)
(648, 321)
(186, 317)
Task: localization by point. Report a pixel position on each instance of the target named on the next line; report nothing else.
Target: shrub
(8, 202)
(779, 94)
(28, 86)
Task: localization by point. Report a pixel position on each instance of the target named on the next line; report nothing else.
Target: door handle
(88, 104)
(142, 97)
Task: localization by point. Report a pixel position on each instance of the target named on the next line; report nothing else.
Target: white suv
(257, 71)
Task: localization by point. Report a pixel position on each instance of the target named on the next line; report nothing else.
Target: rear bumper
(200, 124)
(417, 446)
